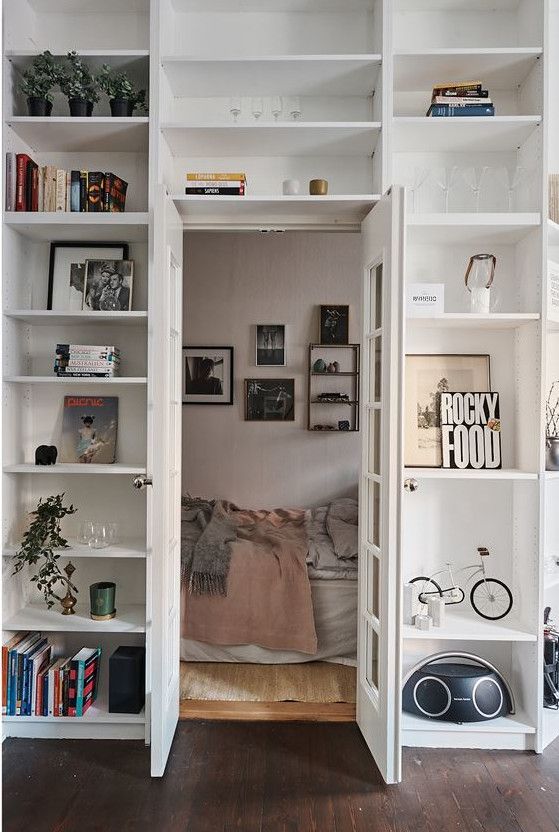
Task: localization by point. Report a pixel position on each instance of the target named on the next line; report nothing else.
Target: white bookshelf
(70, 468)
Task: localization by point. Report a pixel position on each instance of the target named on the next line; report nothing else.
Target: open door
(379, 660)
(164, 469)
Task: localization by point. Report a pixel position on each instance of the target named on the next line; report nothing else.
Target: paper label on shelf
(424, 299)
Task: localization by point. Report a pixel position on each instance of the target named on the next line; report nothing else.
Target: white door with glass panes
(164, 467)
(379, 662)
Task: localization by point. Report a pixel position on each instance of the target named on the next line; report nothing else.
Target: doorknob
(141, 481)
(410, 484)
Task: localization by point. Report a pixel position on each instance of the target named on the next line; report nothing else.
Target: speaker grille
(487, 697)
(432, 696)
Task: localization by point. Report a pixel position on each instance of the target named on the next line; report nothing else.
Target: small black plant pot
(39, 106)
(79, 107)
(90, 108)
(121, 107)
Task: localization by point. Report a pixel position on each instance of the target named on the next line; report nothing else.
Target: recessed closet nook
(308, 513)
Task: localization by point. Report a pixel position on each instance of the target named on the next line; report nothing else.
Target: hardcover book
(470, 430)
(95, 190)
(114, 194)
(89, 429)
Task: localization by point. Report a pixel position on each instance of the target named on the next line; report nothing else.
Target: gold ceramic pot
(318, 187)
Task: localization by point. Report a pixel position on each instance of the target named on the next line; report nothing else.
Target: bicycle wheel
(428, 588)
(491, 598)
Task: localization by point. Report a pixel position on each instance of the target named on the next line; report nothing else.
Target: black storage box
(127, 686)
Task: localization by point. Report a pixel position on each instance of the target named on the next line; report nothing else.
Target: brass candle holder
(69, 601)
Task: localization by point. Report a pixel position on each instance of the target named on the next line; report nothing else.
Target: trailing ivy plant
(40, 544)
(77, 81)
(118, 85)
(41, 77)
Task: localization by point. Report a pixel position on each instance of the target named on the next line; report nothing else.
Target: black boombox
(465, 691)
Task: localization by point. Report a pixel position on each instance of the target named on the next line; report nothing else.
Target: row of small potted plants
(80, 86)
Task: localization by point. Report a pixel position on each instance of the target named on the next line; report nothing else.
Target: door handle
(411, 484)
(141, 481)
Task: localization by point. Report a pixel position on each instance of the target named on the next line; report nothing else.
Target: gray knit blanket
(206, 546)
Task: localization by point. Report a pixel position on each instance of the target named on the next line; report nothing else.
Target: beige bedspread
(268, 599)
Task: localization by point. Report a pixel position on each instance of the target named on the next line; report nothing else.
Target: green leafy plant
(41, 77)
(41, 543)
(118, 85)
(77, 81)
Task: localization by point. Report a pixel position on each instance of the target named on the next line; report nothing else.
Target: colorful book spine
(74, 190)
(114, 196)
(95, 190)
(60, 190)
(213, 177)
(11, 177)
(83, 190)
(21, 177)
(446, 111)
(458, 88)
(215, 191)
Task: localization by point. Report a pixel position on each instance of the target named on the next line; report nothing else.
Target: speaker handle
(483, 662)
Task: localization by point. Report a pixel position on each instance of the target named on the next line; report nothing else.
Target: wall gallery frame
(334, 324)
(207, 375)
(67, 270)
(270, 399)
(270, 345)
(427, 376)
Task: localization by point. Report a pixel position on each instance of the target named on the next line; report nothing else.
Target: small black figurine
(46, 455)
(343, 425)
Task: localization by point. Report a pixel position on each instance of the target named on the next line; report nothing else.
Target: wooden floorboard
(267, 711)
(273, 777)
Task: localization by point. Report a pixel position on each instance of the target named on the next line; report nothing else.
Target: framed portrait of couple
(90, 277)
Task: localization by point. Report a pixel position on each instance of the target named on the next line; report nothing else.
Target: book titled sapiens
(89, 429)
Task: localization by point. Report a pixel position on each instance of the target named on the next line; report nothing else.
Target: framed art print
(67, 271)
(207, 375)
(108, 285)
(269, 399)
(334, 324)
(270, 345)
(427, 376)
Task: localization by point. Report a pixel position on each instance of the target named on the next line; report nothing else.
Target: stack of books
(465, 98)
(216, 184)
(37, 683)
(554, 197)
(31, 188)
(84, 361)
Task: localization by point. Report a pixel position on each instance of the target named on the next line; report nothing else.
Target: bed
(291, 589)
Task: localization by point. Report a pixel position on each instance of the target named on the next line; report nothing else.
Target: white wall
(232, 282)
(553, 87)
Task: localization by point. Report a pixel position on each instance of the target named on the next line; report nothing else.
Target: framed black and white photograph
(269, 399)
(67, 271)
(108, 285)
(270, 345)
(334, 324)
(427, 377)
(207, 375)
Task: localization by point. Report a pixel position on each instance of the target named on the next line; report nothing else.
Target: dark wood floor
(270, 777)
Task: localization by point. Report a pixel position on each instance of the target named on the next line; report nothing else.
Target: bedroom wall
(232, 281)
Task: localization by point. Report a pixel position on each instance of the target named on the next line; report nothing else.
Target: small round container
(318, 187)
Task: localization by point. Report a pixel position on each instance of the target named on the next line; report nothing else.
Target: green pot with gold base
(102, 599)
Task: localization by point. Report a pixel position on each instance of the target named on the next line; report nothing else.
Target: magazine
(89, 429)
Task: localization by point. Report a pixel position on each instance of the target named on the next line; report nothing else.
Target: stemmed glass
(515, 174)
(276, 107)
(295, 108)
(420, 176)
(445, 180)
(257, 107)
(235, 107)
(474, 177)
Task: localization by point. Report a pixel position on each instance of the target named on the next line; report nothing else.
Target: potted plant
(123, 97)
(38, 81)
(41, 544)
(79, 86)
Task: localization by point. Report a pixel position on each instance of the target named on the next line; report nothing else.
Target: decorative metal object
(69, 601)
(318, 187)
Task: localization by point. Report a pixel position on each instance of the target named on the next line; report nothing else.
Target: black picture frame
(269, 400)
(338, 333)
(211, 398)
(95, 244)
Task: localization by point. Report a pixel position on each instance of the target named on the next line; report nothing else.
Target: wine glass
(474, 177)
(446, 179)
(257, 106)
(235, 107)
(276, 106)
(420, 176)
(85, 532)
(295, 108)
(100, 536)
(514, 174)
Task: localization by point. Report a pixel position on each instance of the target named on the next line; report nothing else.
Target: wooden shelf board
(296, 138)
(65, 225)
(467, 626)
(130, 618)
(121, 380)
(267, 711)
(317, 75)
(47, 317)
(471, 228)
(498, 320)
(457, 474)
(500, 68)
(462, 135)
(126, 549)
(74, 468)
(512, 724)
(82, 135)
(304, 209)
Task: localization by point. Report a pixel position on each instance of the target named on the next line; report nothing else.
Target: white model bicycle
(490, 597)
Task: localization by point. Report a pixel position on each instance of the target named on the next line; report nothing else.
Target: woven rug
(232, 682)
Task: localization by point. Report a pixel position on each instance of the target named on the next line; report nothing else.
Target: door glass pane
(378, 296)
(373, 584)
(374, 441)
(372, 658)
(374, 513)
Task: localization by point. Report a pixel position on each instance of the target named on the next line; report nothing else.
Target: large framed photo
(207, 375)
(67, 271)
(269, 399)
(427, 376)
(270, 345)
(334, 324)
(108, 285)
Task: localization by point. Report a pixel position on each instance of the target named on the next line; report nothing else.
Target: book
(11, 175)
(216, 176)
(460, 100)
(82, 670)
(114, 196)
(445, 111)
(29, 194)
(88, 693)
(26, 676)
(89, 349)
(10, 645)
(34, 186)
(74, 190)
(60, 190)
(17, 671)
(463, 93)
(461, 86)
(215, 191)
(49, 188)
(95, 190)
(40, 659)
(83, 190)
(218, 183)
(89, 429)
(21, 178)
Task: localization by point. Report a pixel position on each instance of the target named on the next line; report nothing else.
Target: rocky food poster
(470, 430)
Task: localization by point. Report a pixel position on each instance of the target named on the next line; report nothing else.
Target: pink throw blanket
(268, 599)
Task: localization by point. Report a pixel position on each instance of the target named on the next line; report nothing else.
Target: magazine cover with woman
(89, 428)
